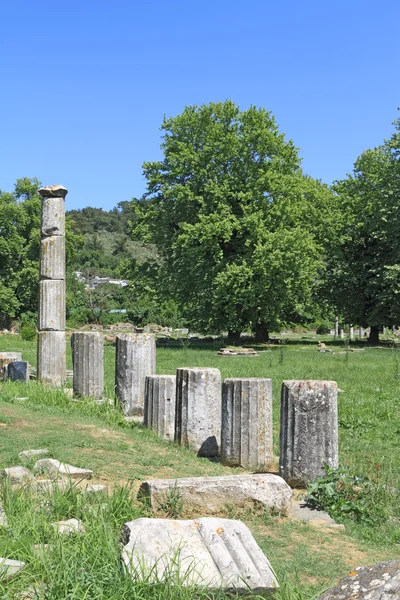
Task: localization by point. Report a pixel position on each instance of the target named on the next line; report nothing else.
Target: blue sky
(85, 84)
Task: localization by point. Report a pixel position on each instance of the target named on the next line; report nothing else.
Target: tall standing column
(309, 430)
(246, 439)
(51, 353)
(198, 410)
(88, 364)
(135, 359)
(336, 326)
(351, 333)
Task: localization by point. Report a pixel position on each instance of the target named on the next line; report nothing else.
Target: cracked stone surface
(376, 582)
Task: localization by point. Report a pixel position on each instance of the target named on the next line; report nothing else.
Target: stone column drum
(51, 358)
(88, 364)
(246, 439)
(159, 405)
(135, 359)
(309, 430)
(198, 410)
(351, 333)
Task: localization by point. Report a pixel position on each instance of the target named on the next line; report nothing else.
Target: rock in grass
(207, 553)
(48, 486)
(69, 527)
(212, 494)
(95, 489)
(3, 517)
(28, 455)
(377, 582)
(9, 568)
(17, 475)
(55, 468)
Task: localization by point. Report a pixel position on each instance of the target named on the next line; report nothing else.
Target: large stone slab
(159, 405)
(206, 553)
(54, 468)
(211, 494)
(377, 582)
(246, 438)
(309, 430)
(198, 410)
(9, 568)
(135, 359)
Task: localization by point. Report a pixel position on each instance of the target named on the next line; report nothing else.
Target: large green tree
(239, 228)
(363, 275)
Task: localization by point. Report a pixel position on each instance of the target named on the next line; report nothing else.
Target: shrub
(28, 332)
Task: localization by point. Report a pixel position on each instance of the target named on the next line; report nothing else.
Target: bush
(28, 332)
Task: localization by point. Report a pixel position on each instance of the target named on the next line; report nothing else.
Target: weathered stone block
(206, 553)
(52, 257)
(88, 364)
(3, 517)
(159, 405)
(377, 582)
(309, 430)
(246, 438)
(52, 305)
(198, 410)
(69, 527)
(212, 494)
(54, 468)
(17, 475)
(135, 359)
(28, 455)
(53, 217)
(17, 371)
(6, 358)
(51, 358)
(9, 568)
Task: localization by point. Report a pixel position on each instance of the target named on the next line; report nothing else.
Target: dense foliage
(238, 226)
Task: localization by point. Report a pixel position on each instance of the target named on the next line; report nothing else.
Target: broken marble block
(69, 527)
(377, 582)
(212, 494)
(17, 475)
(27, 455)
(206, 553)
(9, 568)
(54, 468)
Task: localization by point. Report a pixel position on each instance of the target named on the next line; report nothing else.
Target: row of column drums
(231, 420)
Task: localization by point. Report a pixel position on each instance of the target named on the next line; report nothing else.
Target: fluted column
(309, 430)
(135, 358)
(159, 405)
(246, 439)
(88, 364)
(198, 410)
(51, 358)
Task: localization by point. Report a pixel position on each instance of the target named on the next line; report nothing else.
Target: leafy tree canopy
(238, 226)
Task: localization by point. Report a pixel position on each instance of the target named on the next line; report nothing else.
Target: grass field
(306, 559)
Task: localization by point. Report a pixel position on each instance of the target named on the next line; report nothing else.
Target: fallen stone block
(55, 468)
(207, 553)
(377, 582)
(48, 486)
(313, 516)
(95, 489)
(28, 455)
(211, 494)
(9, 568)
(3, 517)
(17, 475)
(69, 527)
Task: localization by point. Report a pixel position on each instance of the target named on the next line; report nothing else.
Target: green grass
(306, 560)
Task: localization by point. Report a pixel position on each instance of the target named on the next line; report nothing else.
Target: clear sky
(85, 83)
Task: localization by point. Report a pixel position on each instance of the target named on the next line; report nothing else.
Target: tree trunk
(262, 333)
(234, 338)
(374, 335)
